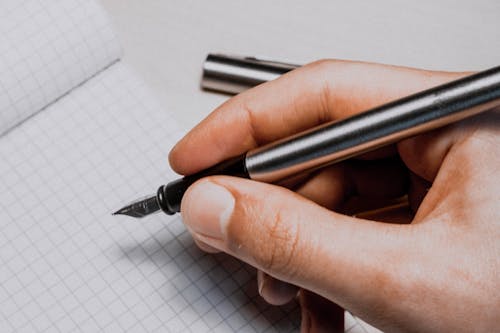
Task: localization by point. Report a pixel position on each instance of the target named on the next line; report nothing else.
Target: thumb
(350, 261)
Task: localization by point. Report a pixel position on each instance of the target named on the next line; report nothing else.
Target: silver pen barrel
(381, 126)
(233, 74)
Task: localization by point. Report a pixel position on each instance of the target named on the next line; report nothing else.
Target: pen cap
(233, 74)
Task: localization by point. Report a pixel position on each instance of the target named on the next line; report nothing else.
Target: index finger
(313, 94)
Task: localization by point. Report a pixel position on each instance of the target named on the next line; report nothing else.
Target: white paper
(99, 141)
(66, 264)
(47, 47)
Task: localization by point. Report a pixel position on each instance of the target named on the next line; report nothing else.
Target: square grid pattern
(47, 47)
(67, 265)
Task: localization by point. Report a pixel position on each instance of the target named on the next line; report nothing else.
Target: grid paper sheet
(67, 265)
(47, 47)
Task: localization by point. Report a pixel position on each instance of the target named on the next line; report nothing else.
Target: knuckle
(323, 73)
(252, 128)
(325, 69)
(321, 65)
(280, 243)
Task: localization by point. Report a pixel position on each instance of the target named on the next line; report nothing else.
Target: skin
(440, 273)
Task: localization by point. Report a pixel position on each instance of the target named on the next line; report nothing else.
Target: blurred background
(166, 41)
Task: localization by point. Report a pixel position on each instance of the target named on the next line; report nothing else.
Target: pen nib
(140, 208)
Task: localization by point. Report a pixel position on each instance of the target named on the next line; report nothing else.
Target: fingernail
(206, 209)
(274, 291)
(202, 245)
(260, 282)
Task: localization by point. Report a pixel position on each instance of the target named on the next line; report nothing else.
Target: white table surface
(166, 41)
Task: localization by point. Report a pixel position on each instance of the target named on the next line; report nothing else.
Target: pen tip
(124, 211)
(140, 208)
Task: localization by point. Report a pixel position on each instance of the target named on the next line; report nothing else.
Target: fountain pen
(341, 139)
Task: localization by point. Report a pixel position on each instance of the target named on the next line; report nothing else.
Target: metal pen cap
(233, 74)
(386, 124)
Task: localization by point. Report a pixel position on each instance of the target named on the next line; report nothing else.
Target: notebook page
(66, 264)
(47, 47)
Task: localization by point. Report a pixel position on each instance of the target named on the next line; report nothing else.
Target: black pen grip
(170, 196)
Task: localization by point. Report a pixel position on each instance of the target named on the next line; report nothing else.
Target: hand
(440, 273)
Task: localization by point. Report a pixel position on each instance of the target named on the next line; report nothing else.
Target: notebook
(80, 135)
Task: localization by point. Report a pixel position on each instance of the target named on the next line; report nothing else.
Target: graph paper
(67, 264)
(47, 47)
(94, 139)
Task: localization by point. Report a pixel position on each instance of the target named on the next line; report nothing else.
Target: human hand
(439, 273)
